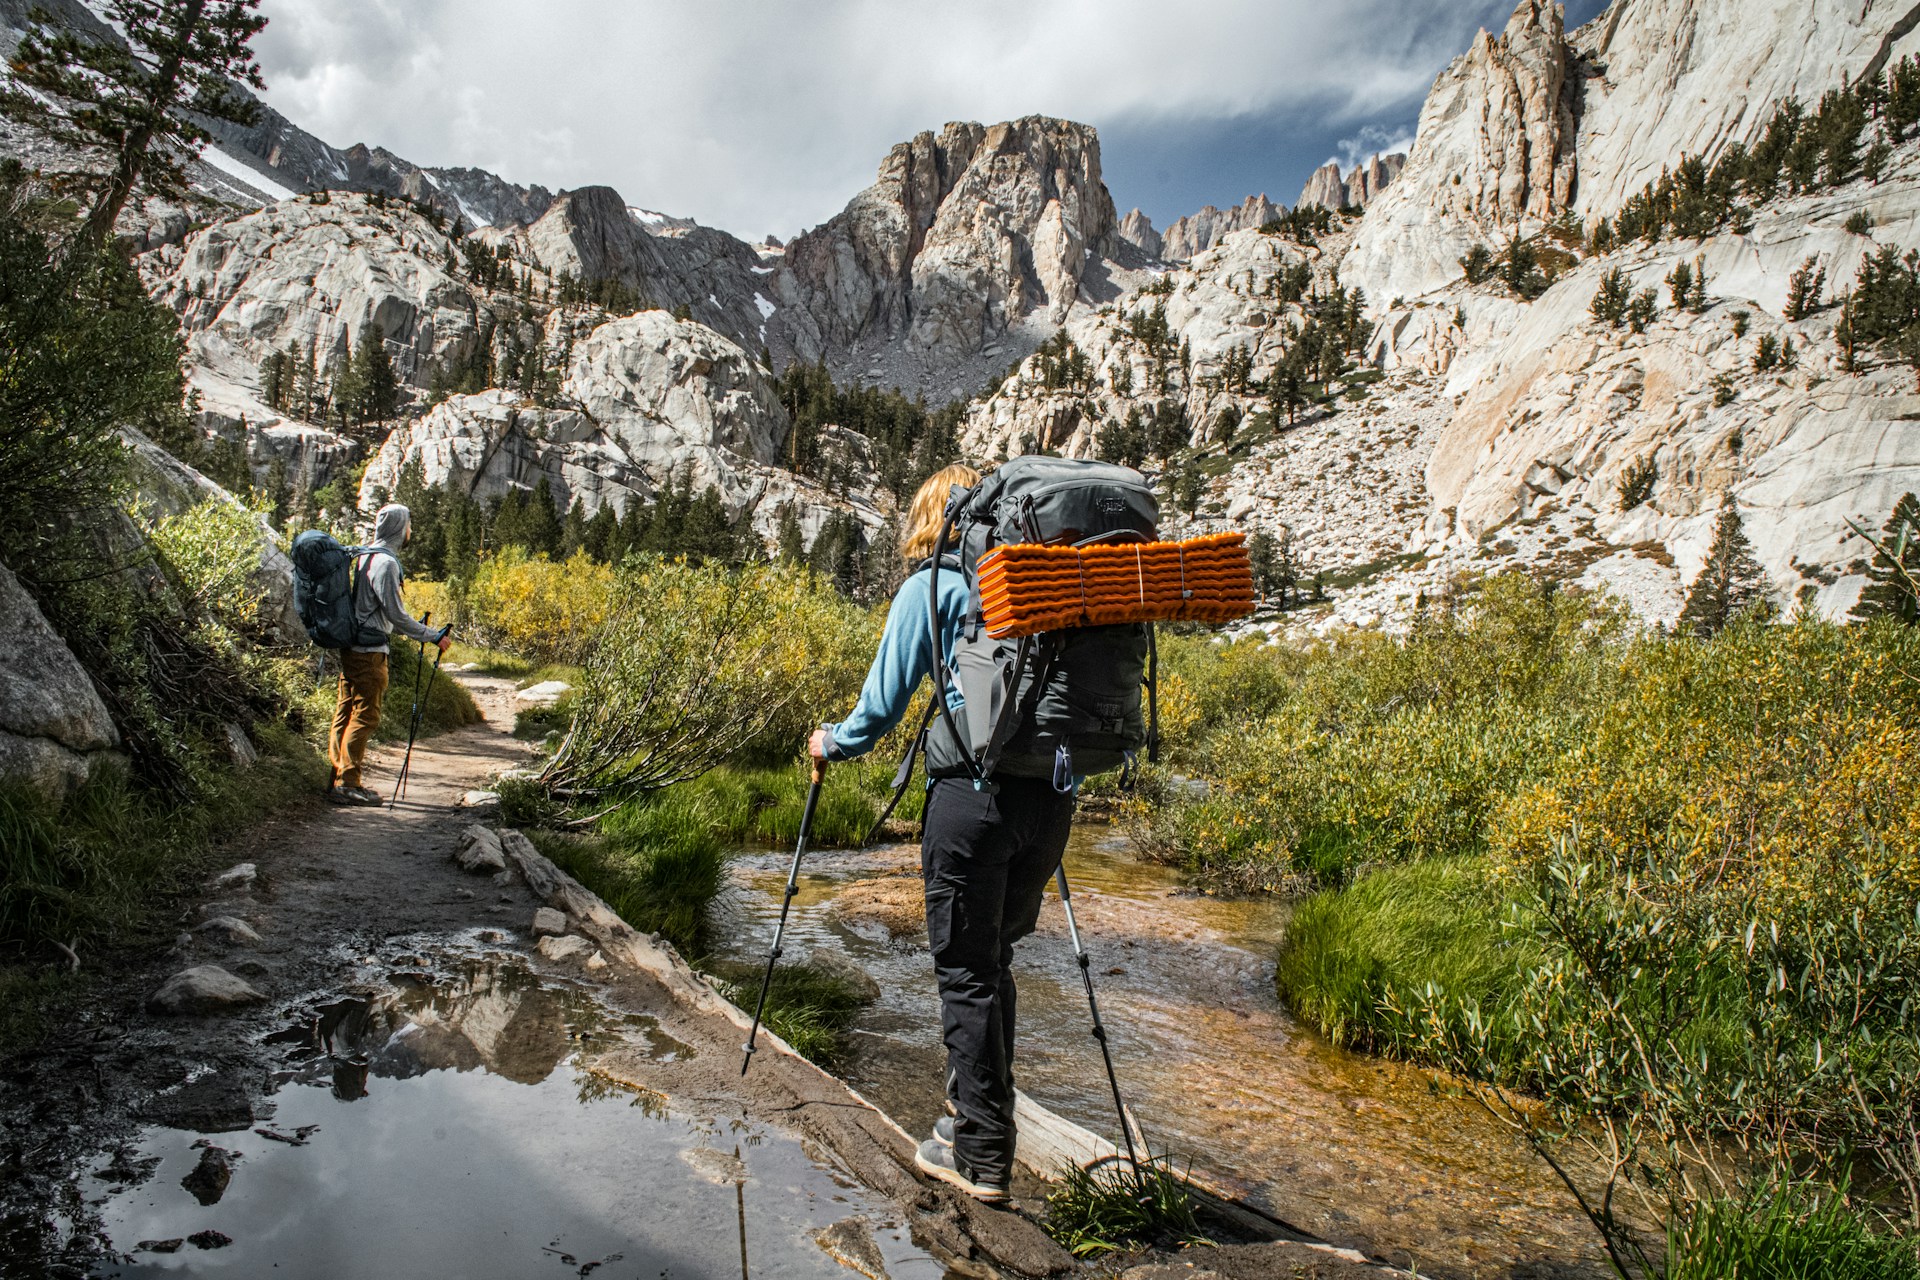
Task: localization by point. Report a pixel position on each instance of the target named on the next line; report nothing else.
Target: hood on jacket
(390, 524)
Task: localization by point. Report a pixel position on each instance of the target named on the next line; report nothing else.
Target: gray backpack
(1058, 705)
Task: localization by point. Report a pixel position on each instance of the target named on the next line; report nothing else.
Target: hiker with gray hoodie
(377, 607)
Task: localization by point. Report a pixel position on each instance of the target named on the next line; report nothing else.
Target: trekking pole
(1099, 1029)
(786, 905)
(419, 708)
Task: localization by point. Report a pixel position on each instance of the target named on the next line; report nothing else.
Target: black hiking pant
(986, 857)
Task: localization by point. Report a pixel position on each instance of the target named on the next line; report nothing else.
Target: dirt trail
(356, 903)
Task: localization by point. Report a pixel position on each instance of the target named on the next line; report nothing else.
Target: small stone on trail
(465, 895)
(548, 923)
(544, 694)
(205, 988)
(229, 930)
(564, 948)
(596, 961)
(480, 800)
(208, 1180)
(480, 851)
(236, 877)
(159, 1246)
(209, 1239)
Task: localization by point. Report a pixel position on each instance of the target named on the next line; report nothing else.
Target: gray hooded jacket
(376, 602)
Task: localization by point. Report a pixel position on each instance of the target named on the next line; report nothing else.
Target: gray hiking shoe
(943, 1131)
(355, 795)
(945, 1164)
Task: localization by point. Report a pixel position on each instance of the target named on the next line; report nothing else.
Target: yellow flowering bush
(546, 610)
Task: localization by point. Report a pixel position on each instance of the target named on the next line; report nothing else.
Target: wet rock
(838, 965)
(228, 930)
(216, 1104)
(205, 988)
(849, 1242)
(897, 904)
(251, 969)
(568, 947)
(209, 1239)
(240, 876)
(128, 1169)
(208, 1180)
(160, 1246)
(479, 852)
(548, 923)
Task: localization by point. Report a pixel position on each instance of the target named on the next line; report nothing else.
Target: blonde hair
(929, 508)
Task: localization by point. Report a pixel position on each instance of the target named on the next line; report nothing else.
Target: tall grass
(1789, 1233)
(1120, 1206)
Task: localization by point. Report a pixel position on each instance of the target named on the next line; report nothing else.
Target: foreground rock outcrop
(54, 730)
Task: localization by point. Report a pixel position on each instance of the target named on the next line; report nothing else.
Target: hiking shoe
(355, 795)
(943, 1131)
(945, 1164)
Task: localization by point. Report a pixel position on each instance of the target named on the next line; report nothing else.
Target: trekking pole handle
(818, 773)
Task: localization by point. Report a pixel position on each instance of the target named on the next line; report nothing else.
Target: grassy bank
(102, 871)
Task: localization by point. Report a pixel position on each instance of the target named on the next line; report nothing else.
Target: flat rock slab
(208, 1180)
(205, 988)
(548, 923)
(566, 947)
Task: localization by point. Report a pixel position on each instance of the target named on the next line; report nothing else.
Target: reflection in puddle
(1352, 1148)
(460, 1129)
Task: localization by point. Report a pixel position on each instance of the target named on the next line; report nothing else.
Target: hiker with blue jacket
(378, 610)
(986, 855)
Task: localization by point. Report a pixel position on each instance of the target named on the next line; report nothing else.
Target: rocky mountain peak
(1494, 157)
(963, 235)
(1357, 188)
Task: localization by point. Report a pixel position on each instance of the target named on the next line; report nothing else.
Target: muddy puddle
(1353, 1149)
(454, 1126)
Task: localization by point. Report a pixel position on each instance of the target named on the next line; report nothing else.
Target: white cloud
(764, 115)
(1370, 141)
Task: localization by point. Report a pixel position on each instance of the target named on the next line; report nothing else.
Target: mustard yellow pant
(356, 712)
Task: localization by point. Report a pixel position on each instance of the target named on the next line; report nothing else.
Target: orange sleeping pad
(1028, 588)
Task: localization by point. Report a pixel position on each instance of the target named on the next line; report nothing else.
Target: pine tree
(131, 105)
(1890, 591)
(790, 542)
(378, 386)
(463, 537)
(1731, 581)
(602, 540)
(542, 528)
(573, 530)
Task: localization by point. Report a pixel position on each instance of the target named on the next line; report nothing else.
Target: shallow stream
(1354, 1149)
(456, 1128)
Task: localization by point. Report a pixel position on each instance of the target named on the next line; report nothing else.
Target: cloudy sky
(766, 115)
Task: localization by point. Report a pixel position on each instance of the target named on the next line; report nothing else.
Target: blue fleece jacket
(905, 657)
